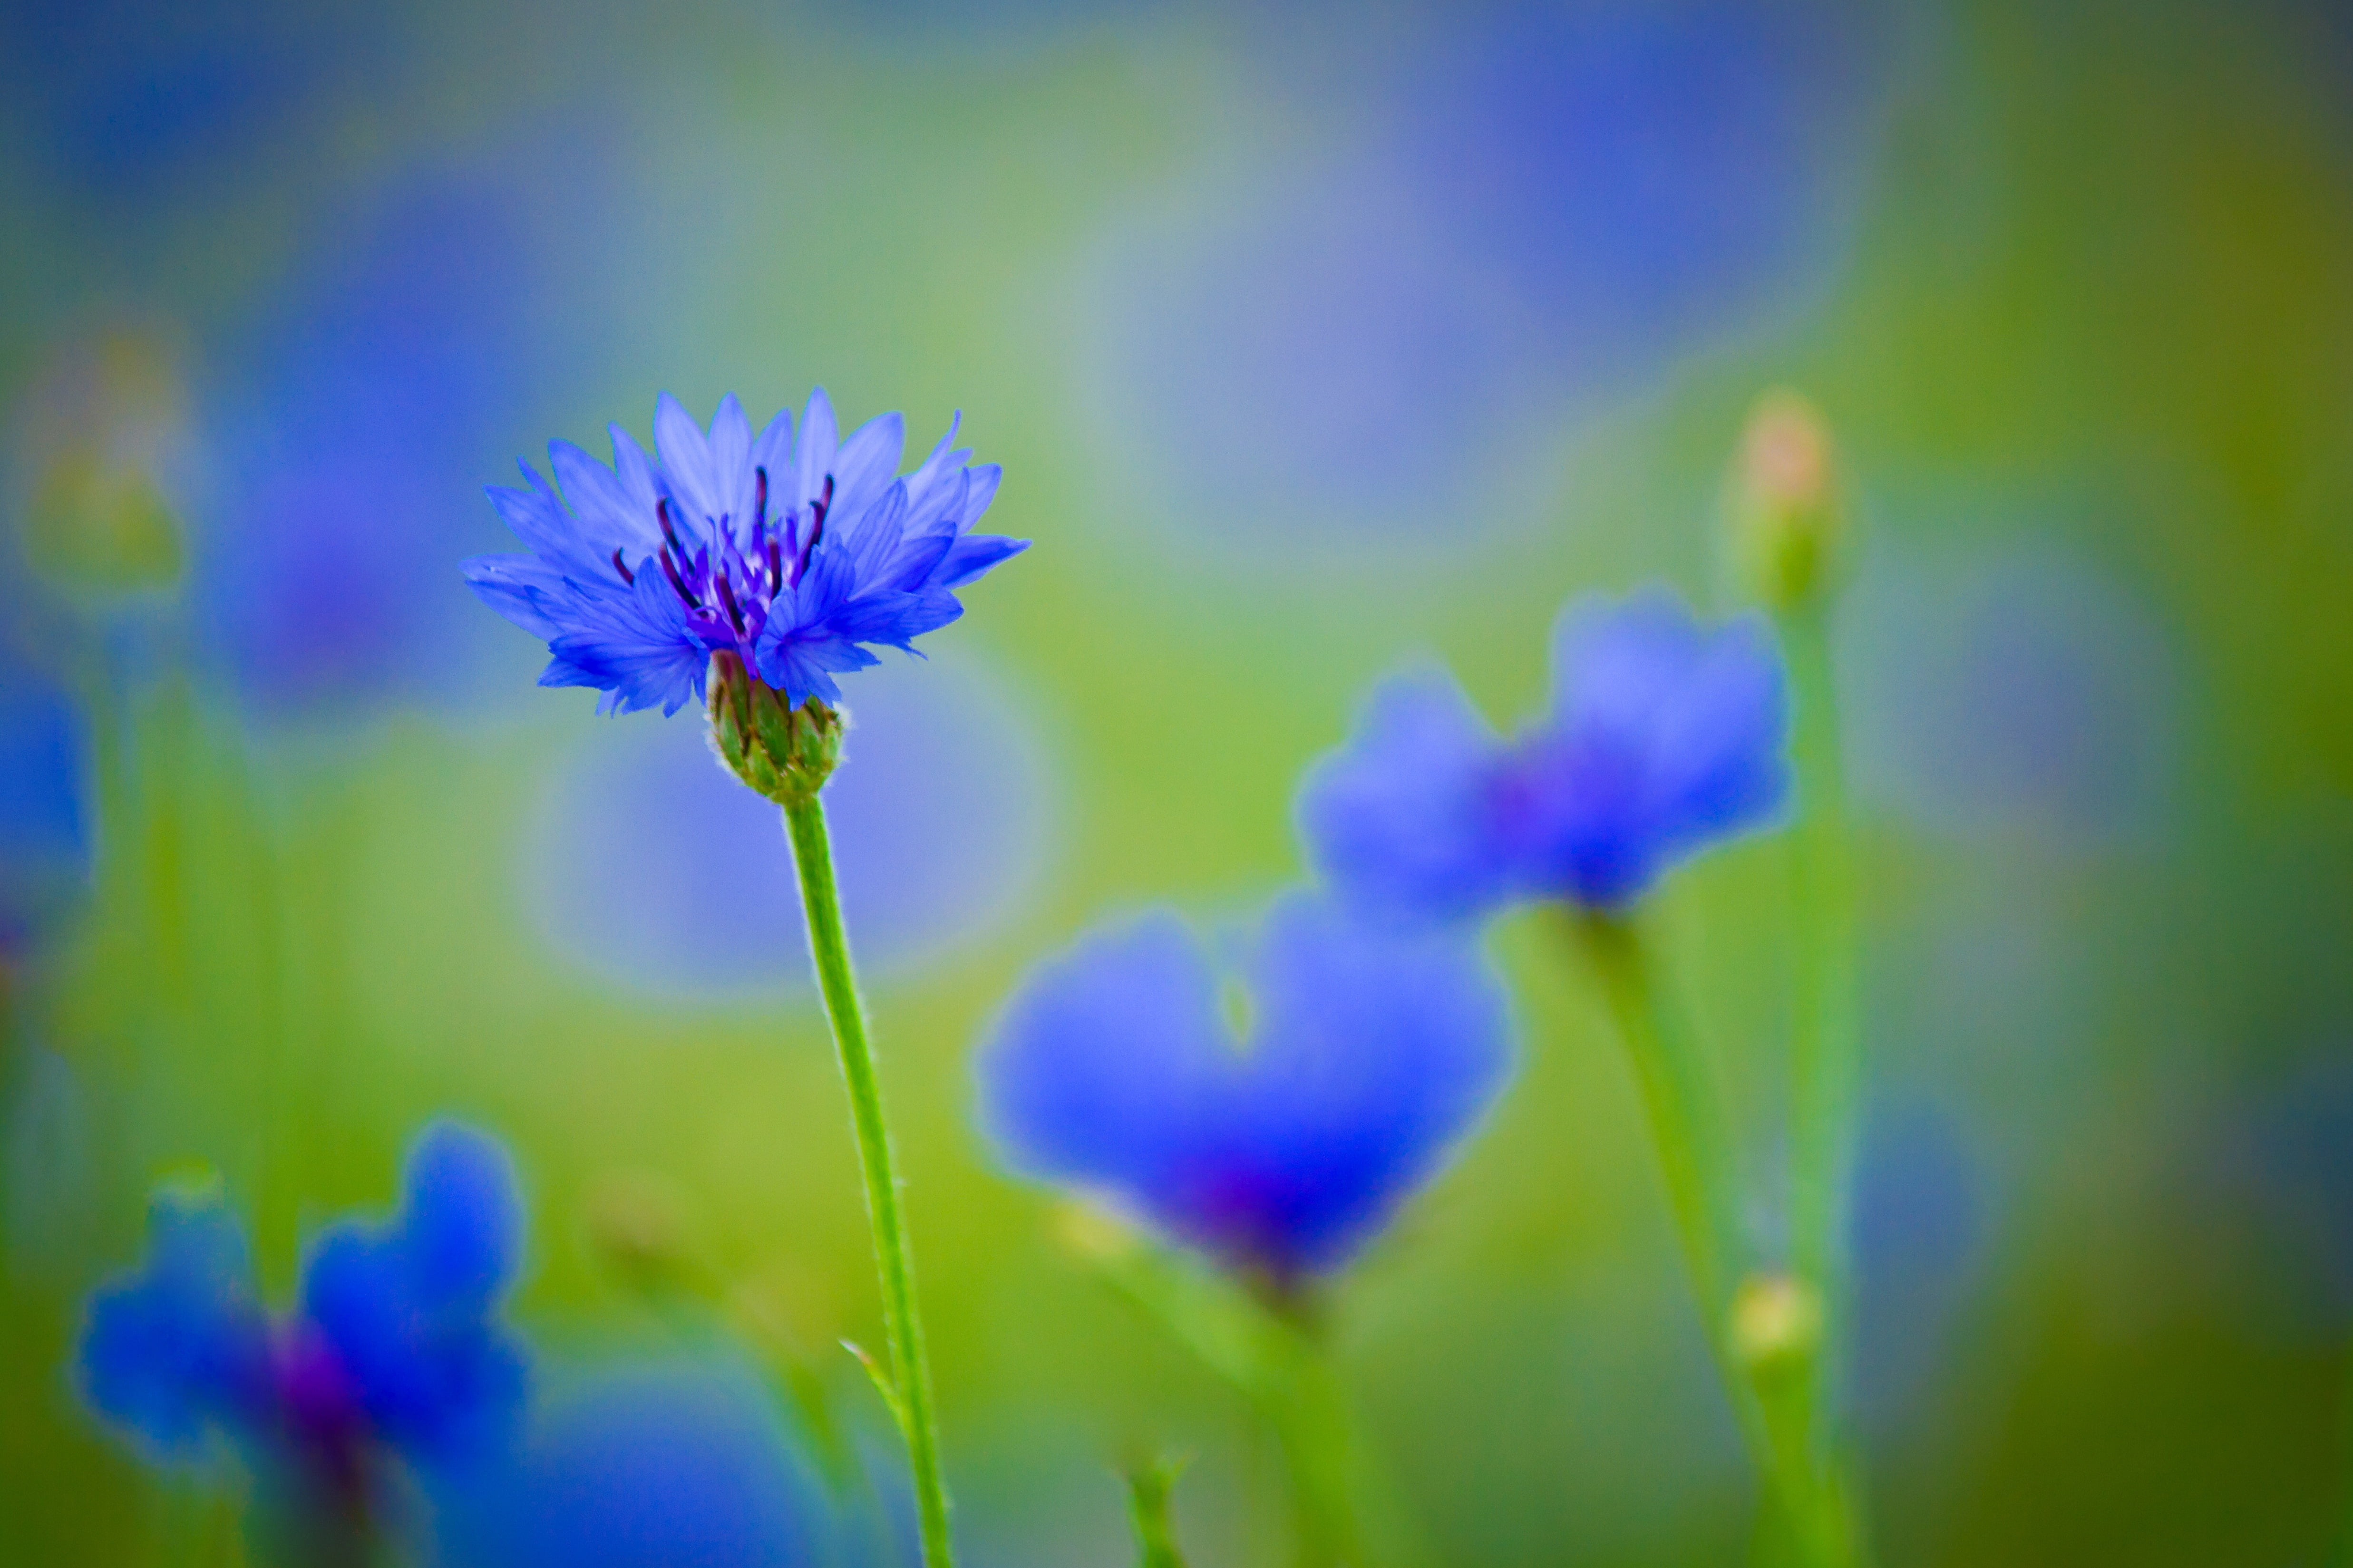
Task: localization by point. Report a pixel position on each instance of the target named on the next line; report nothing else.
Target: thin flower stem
(893, 1259)
(1148, 1510)
(1692, 1134)
(1826, 1049)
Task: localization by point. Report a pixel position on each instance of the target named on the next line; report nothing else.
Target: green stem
(893, 1259)
(1697, 1151)
(1825, 1047)
(1148, 1489)
(1305, 1404)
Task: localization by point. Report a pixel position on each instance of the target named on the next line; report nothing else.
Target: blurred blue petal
(1371, 1053)
(1400, 817)
(671, 1463)
(181, 1347)
(45, 836)
(1664, 736)
(409, 1309)
(652, 865)
(354, 413)
(2025, 692)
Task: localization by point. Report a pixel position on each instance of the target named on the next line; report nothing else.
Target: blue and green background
(1312, 338)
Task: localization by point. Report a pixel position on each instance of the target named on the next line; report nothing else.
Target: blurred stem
(1826, 1049)
(2342, 1557)
(1268, 1347)
(1692, 1134)
(1148, 1490)
(893, 1259)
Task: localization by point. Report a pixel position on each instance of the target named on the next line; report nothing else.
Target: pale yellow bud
(1788, 517)
(1775, 1320)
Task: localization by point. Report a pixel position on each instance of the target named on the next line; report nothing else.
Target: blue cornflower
(1663, 737)
(394, 1350)
(657, 1464)
(791, 558)
(1371, 1051)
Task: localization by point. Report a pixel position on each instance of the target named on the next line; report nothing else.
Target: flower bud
(785, 753)
(102, 420)
(1776, 1321)
(1788, 517)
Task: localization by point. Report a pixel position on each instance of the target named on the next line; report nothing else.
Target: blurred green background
(1311, 339)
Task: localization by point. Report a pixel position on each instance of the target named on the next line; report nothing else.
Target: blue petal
(1664, 737)
(867, 462)
(731, 463)
(773, 451)
(681, 1463)
(813, 460)
(610, 514)
(686, 460)
(973, 555)
(1402, 819)
(182, 1346)
(411, 1308)
(1103, 1072)
(1375, 1050)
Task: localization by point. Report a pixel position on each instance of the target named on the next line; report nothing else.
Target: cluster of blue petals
(396, 1347)
(1372, 1050)
(1664, 736)
(797, 552)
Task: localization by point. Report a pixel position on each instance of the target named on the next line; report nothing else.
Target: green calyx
(785, 753)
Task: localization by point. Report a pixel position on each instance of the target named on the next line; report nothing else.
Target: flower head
(1371, 1051)
(795, 555)
(1663, 737)
(395, 1349)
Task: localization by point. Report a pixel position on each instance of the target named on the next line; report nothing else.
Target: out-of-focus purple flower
(1663, 737)
(796, 557)
(2028, 692)
(1370, 1052)
(674, 1464)
(941, 832)
(1497, 214)
(1916, 1228)
(45, 837)
(341, 412)
(128, 99)
(394, 1351)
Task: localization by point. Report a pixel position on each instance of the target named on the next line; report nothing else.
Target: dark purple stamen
(727, 597)
(627, 577)
(662, 511)
(760, 501)
(670, 569)
(816, 530)
(775, 565)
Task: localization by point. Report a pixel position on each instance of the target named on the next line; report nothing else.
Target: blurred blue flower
(1370, 1053)
(672, 1463)
(942, 831)
(44, 837)
(420, 323)
(394, 1350)
(792, 558)
(1663, 737)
